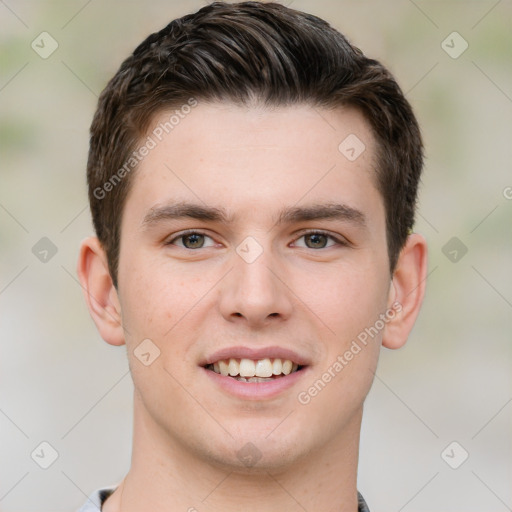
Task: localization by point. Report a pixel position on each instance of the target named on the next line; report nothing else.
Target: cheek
(347, 300)
(155, 308)
(153, 299)
(335, 395)
(344, 377)
(161, 304)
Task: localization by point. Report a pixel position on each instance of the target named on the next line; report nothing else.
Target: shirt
(96, 500)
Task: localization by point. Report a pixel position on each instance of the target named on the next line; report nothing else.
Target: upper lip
(241, 352)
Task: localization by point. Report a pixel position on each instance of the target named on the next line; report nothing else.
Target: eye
(319, 240)
(192, 240)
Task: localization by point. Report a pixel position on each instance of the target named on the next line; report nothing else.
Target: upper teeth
(251, 368)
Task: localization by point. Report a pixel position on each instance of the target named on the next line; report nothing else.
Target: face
(252, 245)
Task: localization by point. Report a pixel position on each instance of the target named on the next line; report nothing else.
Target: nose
(256, 292)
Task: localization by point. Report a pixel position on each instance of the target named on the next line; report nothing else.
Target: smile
(259, 370)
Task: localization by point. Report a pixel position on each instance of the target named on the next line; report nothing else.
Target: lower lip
(255, 390)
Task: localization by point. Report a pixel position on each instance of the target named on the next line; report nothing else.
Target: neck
(166, 476)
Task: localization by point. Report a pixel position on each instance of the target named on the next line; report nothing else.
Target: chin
(256, 452)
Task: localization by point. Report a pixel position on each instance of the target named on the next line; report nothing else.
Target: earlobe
(407, 291)
(99, 291)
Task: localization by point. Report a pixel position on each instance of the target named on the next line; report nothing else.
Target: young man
(252, 181)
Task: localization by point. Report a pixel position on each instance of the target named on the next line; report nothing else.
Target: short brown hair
(236, 53)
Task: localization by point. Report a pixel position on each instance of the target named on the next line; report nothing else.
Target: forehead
(242, 158)
(285, 128)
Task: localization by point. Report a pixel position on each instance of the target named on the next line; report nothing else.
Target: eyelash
(338, 241)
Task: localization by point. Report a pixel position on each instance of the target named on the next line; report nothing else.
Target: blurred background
(437, 431)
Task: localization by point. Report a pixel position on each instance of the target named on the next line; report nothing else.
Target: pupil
(195, 240)
(318, 239)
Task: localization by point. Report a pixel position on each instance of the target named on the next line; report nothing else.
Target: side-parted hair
(240, 53)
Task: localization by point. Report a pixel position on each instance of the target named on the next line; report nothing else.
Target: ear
(406, 291)
(99, 291)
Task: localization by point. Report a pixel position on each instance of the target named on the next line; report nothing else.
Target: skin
(297, 294)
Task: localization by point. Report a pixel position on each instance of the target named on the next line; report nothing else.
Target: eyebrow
(325, 211)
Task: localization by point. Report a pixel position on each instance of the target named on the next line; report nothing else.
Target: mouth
(254, 370)
(250, 373)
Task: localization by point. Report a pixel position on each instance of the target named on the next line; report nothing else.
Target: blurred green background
(60, 383)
